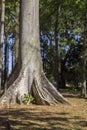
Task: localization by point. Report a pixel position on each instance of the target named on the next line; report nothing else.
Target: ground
(61, 117)
(4, 118)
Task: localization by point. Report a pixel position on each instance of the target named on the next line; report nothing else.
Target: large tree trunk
(31, 78)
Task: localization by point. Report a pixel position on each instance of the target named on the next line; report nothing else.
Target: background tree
(71, 28)
(84, 49)
(2, 35)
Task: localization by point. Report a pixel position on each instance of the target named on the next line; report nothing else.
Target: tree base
(42, 90)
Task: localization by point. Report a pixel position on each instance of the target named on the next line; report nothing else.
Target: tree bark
(84, 57)
(31, 78)
(83, 79)
(57, 61)
(2, 34)
(17, 11)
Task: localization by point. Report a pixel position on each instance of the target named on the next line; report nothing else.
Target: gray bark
(31, 78)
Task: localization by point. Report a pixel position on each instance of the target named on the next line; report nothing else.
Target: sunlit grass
(61, 117)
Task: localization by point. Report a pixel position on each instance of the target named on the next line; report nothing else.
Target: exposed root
(42, 90)
(45, 93)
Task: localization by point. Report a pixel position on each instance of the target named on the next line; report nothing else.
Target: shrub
(28, 98)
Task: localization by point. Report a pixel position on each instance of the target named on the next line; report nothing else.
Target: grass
(60, 117)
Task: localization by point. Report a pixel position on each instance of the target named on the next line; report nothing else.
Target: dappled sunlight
(60, 117)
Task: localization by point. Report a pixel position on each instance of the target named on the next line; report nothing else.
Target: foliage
(71, 36)
(28, 98)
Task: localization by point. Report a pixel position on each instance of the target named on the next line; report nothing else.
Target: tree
(2, 34)
(84, 51)
(56, 40)
(14, 30)
(16, 47)
(71, 25)
(31, 78)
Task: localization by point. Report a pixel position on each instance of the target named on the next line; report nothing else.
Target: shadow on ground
(47, 118)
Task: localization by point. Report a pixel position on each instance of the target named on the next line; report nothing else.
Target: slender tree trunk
(84, 58)
(2, 34)
(16, 48)
(31, 78)
(5, 65)
(63, 81)
(83, 83)
(57, 64)
(17, 5)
